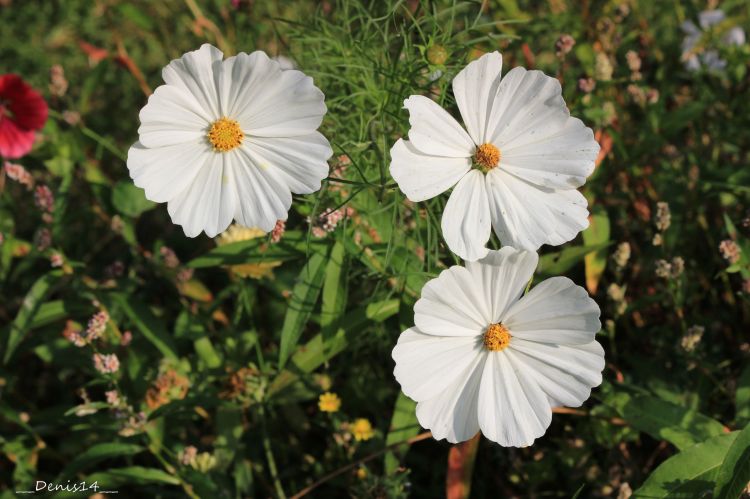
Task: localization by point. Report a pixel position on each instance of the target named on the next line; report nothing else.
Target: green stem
(269, 457)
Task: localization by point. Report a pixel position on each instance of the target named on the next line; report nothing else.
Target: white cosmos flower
(517, 168)
(483, 357)
(230, 139)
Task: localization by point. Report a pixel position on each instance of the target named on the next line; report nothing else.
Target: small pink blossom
(126, 338)
(19, 174)
(184, 275)
(96, 326)
(329, 220)
(44, 199)
(113, 397)
(56, 260)
(170, 257)
(42, 239)
(72, 333)
(564, 44)
(278, 231)
(730, 251)
(106, 363)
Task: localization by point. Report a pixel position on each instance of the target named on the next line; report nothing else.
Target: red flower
(22, 112)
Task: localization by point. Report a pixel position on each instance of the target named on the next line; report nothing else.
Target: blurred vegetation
(217, 393)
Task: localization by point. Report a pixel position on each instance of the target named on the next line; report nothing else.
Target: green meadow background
(233, 366)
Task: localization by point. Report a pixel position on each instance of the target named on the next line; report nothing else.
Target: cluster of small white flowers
(670, 270)
(616, 293)
(603, 68)
(663, 217)
(692, 338)
(622, 254)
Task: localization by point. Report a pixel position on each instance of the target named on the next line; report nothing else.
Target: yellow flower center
(496, 338)
(225, 134)
(487, 157)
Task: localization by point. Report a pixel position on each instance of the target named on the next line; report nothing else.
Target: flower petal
(301, 161)
(466, 219)
(165, 172)
(555, 311)
(565, 373)
(453, 414)
(426, 365)
(208, 203)
(172, 116)
(528, 105)
(503, 276)
(195, 73)
(513, 409)
(434, 131)
(422, 176)
(267, 101)
(263, 196)
(14, 141)
(452, 304)
(526, 216)
(560, 160)
(27, 106)
(475, 88)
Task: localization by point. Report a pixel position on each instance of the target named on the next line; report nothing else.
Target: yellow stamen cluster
(496, 338)
(225, 135)
(487, 157)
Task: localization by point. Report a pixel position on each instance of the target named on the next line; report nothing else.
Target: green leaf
(689, 474)
(304, 296)
(29, 308)
(334, 291)
(53, 311)
(137, 16)
(137, 475)
(734, 473)
(596, 261)
(148, 325)
(317, 351)
(404, 425)
(129, 199)
(560, 262)
(206, 351)
(59, 166)
(229, 430)
(742, 398)
(294, 245)
(381, 310)
(96, 453)
(663, 420)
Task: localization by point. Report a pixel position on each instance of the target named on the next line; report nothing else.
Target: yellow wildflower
(329, 402)
(362, 429)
